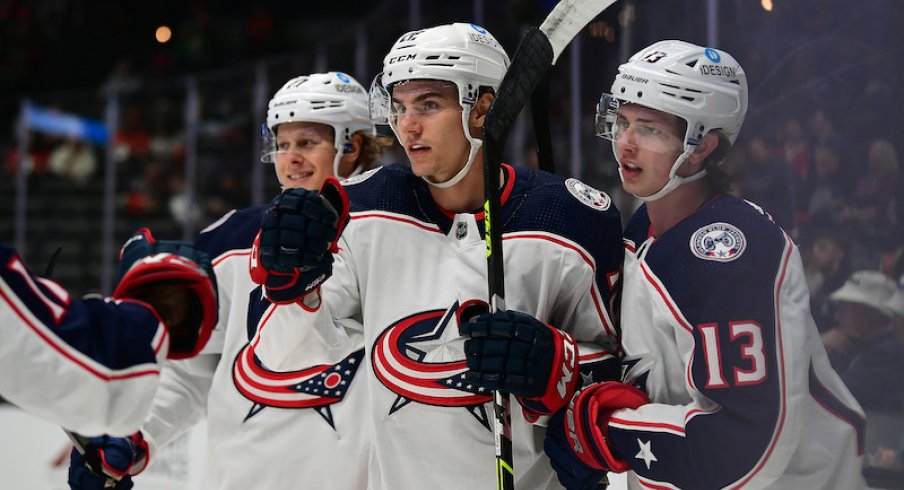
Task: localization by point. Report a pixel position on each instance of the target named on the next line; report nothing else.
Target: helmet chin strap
(476, 144)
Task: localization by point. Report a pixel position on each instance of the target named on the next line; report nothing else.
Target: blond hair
(372, 147)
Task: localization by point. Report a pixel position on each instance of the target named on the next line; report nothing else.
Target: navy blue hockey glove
(514, 352)
(293, 253)
(177, 280)
(108, 462)
(576, 438)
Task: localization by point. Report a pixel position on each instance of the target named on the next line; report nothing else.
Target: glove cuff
(162, 269)
(587, 422)
(563, 378)
(137, 448)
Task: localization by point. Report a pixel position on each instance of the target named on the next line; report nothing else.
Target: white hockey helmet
(704, 86)
(464, 54)
(334, 98)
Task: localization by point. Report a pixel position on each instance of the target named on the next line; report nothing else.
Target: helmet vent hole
(623, 90)
(454, 57)
(292, 114)
(692, 63)
(639, 94)
(434, 57)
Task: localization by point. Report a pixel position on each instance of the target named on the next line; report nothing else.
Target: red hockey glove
(293, 253)
(108, 462)
(516, 353)
(175, 279)
(576, 437)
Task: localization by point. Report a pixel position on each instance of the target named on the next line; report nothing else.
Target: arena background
(103, 129)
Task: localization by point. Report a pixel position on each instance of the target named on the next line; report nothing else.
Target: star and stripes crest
(420, 358)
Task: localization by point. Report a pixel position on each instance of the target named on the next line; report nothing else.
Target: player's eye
(398, 108)
(282, 146)
(645, 130)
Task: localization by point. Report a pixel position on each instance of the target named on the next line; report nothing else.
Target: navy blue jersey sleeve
(76, 362)
(583, 215)
(235, 230)
(717, 276)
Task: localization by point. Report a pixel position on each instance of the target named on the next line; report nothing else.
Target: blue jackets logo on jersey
(421, 358)
(315, 387)
(720, 242)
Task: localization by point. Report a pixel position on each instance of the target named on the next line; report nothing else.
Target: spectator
(896, 306)
(862, 346)
(74, 160)
(826, 188)
(795, 150)
(875, 193)
(827, 266)
(767, 181)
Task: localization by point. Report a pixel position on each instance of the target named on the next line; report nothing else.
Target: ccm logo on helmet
(719, 71)
(404, 57)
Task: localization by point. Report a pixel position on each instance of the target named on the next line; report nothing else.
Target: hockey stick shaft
(533, 59)
(539, 108)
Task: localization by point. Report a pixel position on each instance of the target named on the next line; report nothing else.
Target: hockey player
(726, 382)
(92, 365)
(267, 430)
(410, 266)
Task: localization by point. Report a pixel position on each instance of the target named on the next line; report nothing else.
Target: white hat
(871, 288)
(896, 303)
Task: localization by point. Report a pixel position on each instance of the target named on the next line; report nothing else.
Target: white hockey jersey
(404, 267)
(716, 328)
(89, 365)
(265, 430)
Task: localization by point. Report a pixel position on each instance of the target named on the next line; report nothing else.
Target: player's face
(646, 144)
(304, 154)
(428, 123)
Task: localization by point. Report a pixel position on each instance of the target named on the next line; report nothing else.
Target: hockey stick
(539, 109)
(534, 57)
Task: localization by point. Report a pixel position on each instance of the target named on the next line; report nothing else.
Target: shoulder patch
(360, 177)
(589, 196)
(720, 242)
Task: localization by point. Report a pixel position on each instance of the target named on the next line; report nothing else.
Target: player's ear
(479, 111)
(350, 153)
(707, 146)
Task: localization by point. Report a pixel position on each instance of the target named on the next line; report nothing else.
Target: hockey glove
(293, 253)
(576, 437)
(108, 462)
(177, 280)
(514, 352)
